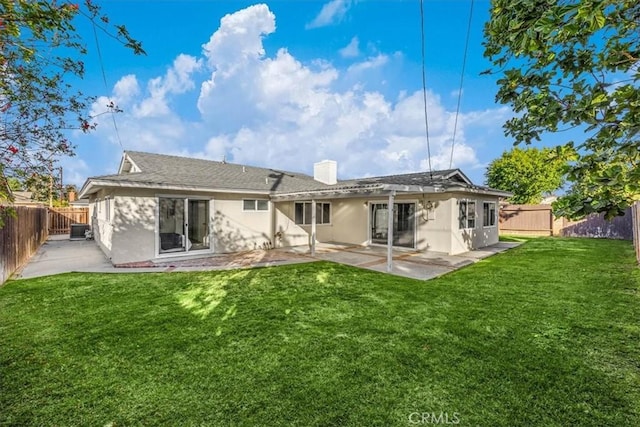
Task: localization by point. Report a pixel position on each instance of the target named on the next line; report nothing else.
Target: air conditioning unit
(78, 231)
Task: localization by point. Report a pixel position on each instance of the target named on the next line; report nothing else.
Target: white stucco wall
(434, 224)
(478, 237)
(235, 229)
(130, 234)
(349, 224)
(286, 232)
(101, 221)
(134, 226)
(436, 228)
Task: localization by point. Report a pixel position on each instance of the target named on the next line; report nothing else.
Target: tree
(41, 54)
(574, 64)
(14, 184)
(529, 174)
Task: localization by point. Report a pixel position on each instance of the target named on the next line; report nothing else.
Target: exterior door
(183, 225)
(198, 225)
(404, 224)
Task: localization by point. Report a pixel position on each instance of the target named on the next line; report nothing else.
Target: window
(467, 214)
(303, 213)
(107, 209)
(489, 214)
(255, 205)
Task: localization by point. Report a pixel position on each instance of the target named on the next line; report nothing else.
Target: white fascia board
(462, 175)
(334, 193)
(483, 191)
(124, 184)
(122, 160)
(84, 191)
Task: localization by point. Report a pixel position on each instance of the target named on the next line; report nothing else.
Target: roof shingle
(167, 170)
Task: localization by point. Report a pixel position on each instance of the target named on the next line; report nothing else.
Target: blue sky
(288, 83)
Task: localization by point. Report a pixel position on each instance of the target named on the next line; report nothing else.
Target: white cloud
(374, 62)
(126, 88)
(277, 111)
(331, 13)
(351, 50)
(238, 40)
(177, 80)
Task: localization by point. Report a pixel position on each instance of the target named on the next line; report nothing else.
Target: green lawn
(545, 334)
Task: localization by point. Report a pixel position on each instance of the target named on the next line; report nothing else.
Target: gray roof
(161, 169)
(417, 178)
(164, 171)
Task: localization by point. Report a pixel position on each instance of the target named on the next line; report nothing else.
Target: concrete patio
(407, 263)
(61, 255)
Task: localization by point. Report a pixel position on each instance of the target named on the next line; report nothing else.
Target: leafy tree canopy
(41, 53)
(574, 64)
(14, 184)
(529, 174)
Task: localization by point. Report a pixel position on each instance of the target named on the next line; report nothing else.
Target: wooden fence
(20, 238)
(60, 219)
(526, 219)
(539, 220)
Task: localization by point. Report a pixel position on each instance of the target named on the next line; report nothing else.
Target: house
(159, 206)
(25, 198)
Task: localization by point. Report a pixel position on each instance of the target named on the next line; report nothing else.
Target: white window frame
(495, 214)
(255, 205)
(319, 221)
(467, 220)
(107, 209)
(207, 198)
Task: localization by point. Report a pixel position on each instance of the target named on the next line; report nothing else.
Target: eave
(94, 185)
(383, 190)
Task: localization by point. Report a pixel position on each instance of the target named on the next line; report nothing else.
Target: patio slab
(407, 263)
(412, 269)
(347, 257)
(61, 255)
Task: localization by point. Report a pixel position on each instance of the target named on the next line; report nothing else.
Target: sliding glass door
(404, 224)
(198, 224)
(183, 224)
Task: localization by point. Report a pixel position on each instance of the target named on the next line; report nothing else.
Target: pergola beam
(390, 209)
(313, 227)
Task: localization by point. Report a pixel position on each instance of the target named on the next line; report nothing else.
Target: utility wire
(424, 87)
(464, 64)
(104, 79)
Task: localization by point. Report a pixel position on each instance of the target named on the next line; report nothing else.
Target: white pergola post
(313, 227)
(390, 210)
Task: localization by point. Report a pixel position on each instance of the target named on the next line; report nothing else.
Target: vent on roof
(326, 172)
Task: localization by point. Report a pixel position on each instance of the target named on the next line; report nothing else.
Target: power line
(464, 64)
(424, 86)
(104, 79)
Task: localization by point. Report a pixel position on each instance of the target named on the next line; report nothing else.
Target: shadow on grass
(218, 295)
(515, 238)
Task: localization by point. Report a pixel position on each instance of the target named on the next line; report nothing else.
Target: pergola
(366, 190)
(380, 189)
